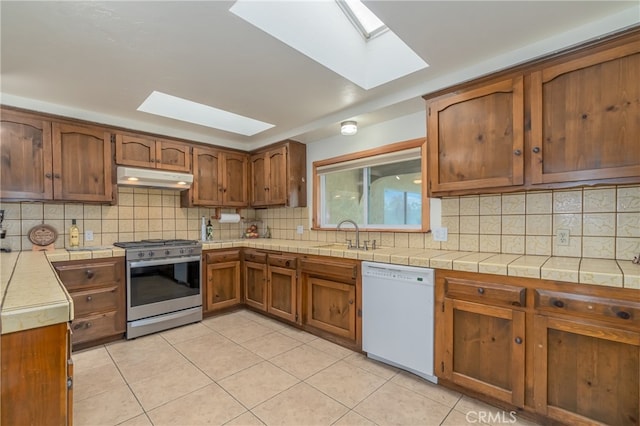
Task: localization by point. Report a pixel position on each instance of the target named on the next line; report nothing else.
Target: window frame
(420, 143)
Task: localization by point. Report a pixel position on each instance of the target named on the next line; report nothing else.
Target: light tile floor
(246, 369)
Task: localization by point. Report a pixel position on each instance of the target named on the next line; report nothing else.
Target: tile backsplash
(603, 222)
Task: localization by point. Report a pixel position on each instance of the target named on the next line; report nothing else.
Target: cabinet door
(584, 117)
(135, 151)
(258, 180)
(330, 306)
(586, 372)
(223, 285)
(255, 285)
(236, 173)
(476, 138)
(81, 163)
(25, 149)
(484, 349)
(207, 188)
(282, 293)
(173, 156)
(277, 176)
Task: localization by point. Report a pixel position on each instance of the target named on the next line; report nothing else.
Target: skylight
(362, 18)
(159, 103)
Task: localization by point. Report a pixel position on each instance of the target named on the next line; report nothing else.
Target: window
(362, 18)
(381, 191)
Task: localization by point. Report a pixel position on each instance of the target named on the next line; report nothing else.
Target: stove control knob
(141, 254)
(167, 252)
(151, 254)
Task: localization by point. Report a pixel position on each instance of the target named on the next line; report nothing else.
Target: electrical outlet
(562, 237)
(88, 235)
(440, 234)
(300, 229)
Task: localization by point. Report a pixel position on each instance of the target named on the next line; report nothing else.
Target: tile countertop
(32, 295)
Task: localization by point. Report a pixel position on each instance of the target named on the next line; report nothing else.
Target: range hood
(130, 176)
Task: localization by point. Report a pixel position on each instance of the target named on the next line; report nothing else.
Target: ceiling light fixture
(349, 128)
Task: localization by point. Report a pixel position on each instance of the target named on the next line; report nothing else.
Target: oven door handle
(171, 261)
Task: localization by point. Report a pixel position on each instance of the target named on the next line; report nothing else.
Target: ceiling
(99, 60)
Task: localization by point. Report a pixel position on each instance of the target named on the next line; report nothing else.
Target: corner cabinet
(220, 179)
(44, 160)
(331, 299)
(138, 151)
(278, 176)
(476, 137)
(222, 280)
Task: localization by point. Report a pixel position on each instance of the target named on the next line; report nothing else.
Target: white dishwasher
(398, 316)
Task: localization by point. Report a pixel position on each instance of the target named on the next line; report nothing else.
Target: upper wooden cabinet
(559, 122)
(42, 160)
(278, 176)
(476, 137)
(220, 179)
(133, 150)
(584, 117)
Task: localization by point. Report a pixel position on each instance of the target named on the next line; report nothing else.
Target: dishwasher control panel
(386, 272)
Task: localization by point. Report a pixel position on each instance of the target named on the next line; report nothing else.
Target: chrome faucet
(355, 225)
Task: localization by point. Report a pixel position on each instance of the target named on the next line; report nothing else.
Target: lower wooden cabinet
(37, 377)
(97, 287)
(282, 286)
(222, 280)
(255, 285)
(332, 299)
(565, 353)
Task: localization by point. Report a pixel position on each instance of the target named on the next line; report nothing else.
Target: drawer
(90, 273)
(90, 301)
(95, 327)
(283, 261)
(596, 307)
(255, 256)
(343, 271)
(223, 256)
(485, 292)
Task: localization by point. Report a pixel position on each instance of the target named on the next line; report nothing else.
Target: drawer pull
(518, 340)
(481, 290)
(90, 273)
(89, 298)
(88, 325)
(287, 263)
(558, 303)
(623, 315)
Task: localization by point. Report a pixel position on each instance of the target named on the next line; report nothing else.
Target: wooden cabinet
(138, 151)
(557, 122)
(564, 353)
(97, 287)
(483, 334)
(222, 280)
(278, 176)
(584, 113)
(37, 377)
(332, 299)
(255, 279)
(54, 161)
(282, 286)
(587, 358)
(476, 137)
(220, 179)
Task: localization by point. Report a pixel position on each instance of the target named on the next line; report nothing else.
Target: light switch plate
(440, 234)
(300, 229)
(88, 235)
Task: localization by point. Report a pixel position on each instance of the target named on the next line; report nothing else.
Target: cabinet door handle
(90, 273)
(536, 149)
(57, 176)
(88, 325)
(481, 290)
(623, 315)
(558, 303)
(517, 152)
(518, 340)
(48, 175)
(287, 263)
(351, 301)
(89, 298)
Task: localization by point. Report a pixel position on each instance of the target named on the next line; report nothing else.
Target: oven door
(160, 286)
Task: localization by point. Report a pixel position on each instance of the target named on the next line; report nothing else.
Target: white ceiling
(99, 60)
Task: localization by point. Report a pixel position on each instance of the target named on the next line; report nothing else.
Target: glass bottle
(74, 234)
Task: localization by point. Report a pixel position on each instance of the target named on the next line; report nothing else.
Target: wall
(140, 214)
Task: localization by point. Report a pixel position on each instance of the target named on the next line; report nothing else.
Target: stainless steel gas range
(163, 284)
